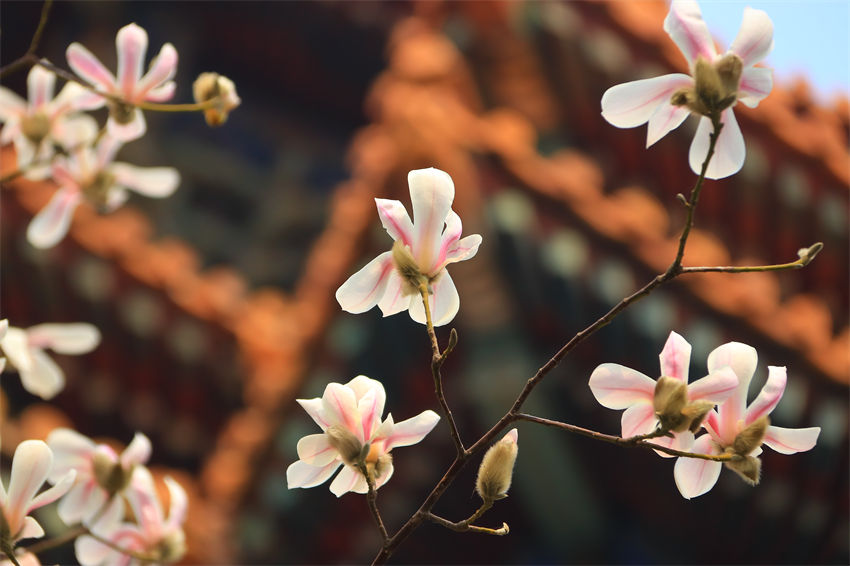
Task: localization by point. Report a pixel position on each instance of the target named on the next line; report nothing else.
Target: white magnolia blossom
(350, 418)
(126, 121)
(425, 246)
(89, 173)
(4, 326)
(102, 474)
(31, 465)
(664, 102)
(25, 350)
(36, 124)
(158, 538)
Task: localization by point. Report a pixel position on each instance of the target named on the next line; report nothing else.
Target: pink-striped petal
(162, 69)
(313, 407)
(45, 378)
(347, 480)
(665, 119)
(50, 225)
(431, 193)
(73, 338)
(299, 474)
(339, 407)
(371, 399)
(743, 360)
(444, 302)
(716, 387)
(90, 68)
(412, 430)
(71, 450)
(685, 26)
(74, 96)
(131, 43)
(769, 395)
(756, 84)
(314, 449)
(40, 86)
(675, 357)
(791, 440)
(130, 131)
(638, 419)
(683, 441)
(631, 104)
(162, 93)
(729, 153)
(81, 502)
(694, 476)
(619, 387)
(755, 38)
(50, 495)
(364, 289)
(395, 220)
(394, 300)
(462, 250)
(156, 182)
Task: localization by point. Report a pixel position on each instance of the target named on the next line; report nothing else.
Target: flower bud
(407, 268)
(497, 468)
(109, 472)
(749, 468)
(671, 396)
(36, 127)
(751, 437)
(212, 86)
(171, 548)
(345, 443)
(695, 412)
(121, 112)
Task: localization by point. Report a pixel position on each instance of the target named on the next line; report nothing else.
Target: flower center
(715, 86)
(36, 127)
(110, 475)
(121, 112)
(97, 190)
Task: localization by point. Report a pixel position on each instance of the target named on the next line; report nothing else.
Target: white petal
(75, 96)
(679, 441)
(178, 504)
(315, 450)
(729, 152)
(364, 289)
(412, 430)
(431, 193)
(154, 182)
(685, 26)
(299, 474)
(131, 43)
(130, 131)
(90, 552)
(138, 451)
(30, 467)
(31, 529)
(395, 220)
(665, 119)
(74, 338)
(638, 419)
(45, 379)
(50, 495)
(791, 440)
(162, 69)
(347, 480)
(756, 84)
(40, 85)
(695, 476)
(715, 387)
(444, 302)
(81, 502)
(743, 360)
(339, 407)
(10, 104)
(385, 476)
(313, 407)
(394, 300)
(162, 93)
(50, 225)
(15, 345)
(462, 250)
(755, 38)
(675, 357)
(769, 396)
(71, 132)
(631, 104)
(89, 67)
(619, 387)
(70, 450)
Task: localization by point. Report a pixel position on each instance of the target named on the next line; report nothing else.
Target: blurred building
(217, 305)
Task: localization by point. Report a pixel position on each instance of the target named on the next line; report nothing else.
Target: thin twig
(27, 58)
(466, 525)
(64, 538)
(372, 500)
(641, 441)
(437, 361)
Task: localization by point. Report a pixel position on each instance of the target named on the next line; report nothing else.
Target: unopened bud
(35, 127)
(749, 468)
(97, 191)
(751, 437)
(407, 268)
(171, 548)
(121, 112)
(808, 254)
(109, 473)
(716, 84)
(497, 468)
(729, 68)
(345, 443)
(671, 396)
(695, 412)
(212, 86)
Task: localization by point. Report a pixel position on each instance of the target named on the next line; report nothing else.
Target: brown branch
(29, 58)
(372, 500)
(466, 525)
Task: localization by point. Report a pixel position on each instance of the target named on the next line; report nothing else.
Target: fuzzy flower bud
(212, 86)
(751, 437)
(344, 442)
(497, 468)
(715, 86)
(748, 468)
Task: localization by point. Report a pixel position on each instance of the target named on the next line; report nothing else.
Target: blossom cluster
(54, 139)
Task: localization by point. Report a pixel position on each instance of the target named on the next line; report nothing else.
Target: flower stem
(372, 500)
(437, 361)
(466, 525)
(64, 538)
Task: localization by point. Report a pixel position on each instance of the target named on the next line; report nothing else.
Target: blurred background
(217, 304)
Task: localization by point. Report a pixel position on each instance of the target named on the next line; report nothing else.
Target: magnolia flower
(89, 173)
(717, 82)
(354, 435)
(24, 349)
(126, 121)
(4, 326)
(157, 538)
(421, 252)
(34, 125)
(738, 429)
(30, 467)
(101, 472)
(669, 403)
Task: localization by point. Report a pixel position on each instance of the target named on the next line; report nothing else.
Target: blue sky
(811, 38)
